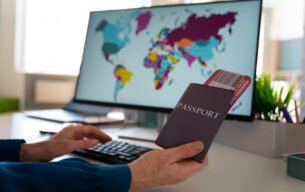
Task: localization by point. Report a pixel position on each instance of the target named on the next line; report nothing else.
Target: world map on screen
(195, 39)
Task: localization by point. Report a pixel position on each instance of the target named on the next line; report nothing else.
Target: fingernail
(198, 146)
(94, 141)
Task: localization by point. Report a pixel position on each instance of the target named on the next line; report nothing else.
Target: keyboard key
(114, 152)
(123, 154)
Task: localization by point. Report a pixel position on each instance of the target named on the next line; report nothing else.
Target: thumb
(83, 144)
(185, 151)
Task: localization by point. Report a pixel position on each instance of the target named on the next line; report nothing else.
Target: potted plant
(270, 104)
(269, 134)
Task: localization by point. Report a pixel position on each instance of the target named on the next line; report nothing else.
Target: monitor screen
(146, 57)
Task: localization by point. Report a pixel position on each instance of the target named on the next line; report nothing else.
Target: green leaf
(299, 106)
(267, 101)
(289, 96)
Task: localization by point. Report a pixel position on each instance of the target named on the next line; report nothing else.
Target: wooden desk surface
(229, 169)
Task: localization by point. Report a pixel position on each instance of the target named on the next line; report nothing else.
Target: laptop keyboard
(114, 152)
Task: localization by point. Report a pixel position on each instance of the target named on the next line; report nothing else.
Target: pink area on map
(143, 20)
(190, 59)
(202, 28)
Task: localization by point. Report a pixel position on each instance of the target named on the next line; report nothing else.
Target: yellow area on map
(152, 56)
(156, 83)
(124, 74)
(172, 59)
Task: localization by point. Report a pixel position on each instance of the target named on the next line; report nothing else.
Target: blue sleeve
(9, 149)
(75, 175)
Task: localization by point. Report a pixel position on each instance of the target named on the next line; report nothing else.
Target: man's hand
(65, 141)
(163, 167)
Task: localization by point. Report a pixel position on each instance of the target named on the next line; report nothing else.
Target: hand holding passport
(201, 110)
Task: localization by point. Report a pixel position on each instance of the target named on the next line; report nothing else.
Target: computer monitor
(145, 58)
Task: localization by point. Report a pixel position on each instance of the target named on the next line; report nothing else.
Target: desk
(229, 169)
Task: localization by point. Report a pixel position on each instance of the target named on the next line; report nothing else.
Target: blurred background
(41, 43)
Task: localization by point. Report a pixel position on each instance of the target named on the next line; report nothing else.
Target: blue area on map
(111, 34)
(118, 87)
(203, 50)
(116, 35)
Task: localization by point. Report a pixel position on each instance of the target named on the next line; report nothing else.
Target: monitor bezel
(164, 109)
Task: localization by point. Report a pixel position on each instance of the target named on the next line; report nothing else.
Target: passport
(197, 117)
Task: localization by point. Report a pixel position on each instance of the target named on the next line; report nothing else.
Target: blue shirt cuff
(116, 178)
(10, 149)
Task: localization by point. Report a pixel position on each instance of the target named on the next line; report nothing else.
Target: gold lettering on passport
(198, 110)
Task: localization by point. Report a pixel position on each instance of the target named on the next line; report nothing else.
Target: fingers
(184, 151)
(191, 166)
(94, 133)
(82, 144)
(206, 161)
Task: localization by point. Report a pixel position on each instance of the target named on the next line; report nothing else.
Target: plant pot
(271, 139)
(9, 104)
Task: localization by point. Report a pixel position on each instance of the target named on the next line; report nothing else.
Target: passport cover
(197, 117)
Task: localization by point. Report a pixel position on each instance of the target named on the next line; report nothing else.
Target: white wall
(11, 83)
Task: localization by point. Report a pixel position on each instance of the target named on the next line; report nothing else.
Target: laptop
(77, 112)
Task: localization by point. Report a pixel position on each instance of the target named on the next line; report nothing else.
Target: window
(51, 33)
